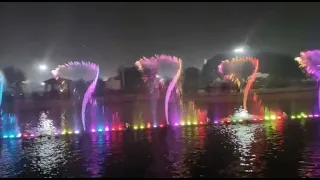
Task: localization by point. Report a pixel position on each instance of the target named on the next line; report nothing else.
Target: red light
(25, 135)
(161, 125)
(278, 117)
(200, 122)
(228, 121)
(148, 126)
(120, 129)
(113, 129)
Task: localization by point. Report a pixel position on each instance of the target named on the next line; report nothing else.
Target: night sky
(114, 34)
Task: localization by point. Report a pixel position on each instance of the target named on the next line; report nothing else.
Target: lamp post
(42, 67)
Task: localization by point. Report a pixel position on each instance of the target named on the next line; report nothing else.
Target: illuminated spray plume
(236, 79)
(2, 80)
(88, 94)
(155, 74)
(45, 126)
(310, 62)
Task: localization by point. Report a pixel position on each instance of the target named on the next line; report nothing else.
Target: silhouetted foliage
(191, 80)
(14, 78)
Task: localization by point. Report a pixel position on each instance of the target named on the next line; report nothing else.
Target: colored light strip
(182, 123)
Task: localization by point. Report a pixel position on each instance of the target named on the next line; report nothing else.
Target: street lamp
(239, 50)
(42, 67)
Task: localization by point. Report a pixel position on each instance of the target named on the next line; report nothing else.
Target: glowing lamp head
(106, 129)
(93, 130)
(76, 132)
(239, 50)
(42, 67)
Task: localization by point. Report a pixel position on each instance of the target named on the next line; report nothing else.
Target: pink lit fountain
(57, 73)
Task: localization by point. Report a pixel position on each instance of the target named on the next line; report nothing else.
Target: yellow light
(195, 123)
(189, 123)
(135, 127)
(70, 132)
(63, 132)
(141, 127)
(273, 117)
(182, 123)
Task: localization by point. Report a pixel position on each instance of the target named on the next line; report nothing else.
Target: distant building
(58, 87)
(130, 79)
(113, 83)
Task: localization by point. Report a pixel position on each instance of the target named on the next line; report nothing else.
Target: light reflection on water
(287, 148)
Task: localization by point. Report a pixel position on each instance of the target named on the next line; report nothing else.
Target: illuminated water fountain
(157, 71)
(231, 71)
(45, 126)
(310, 62)
(57, 73)
(10, 128)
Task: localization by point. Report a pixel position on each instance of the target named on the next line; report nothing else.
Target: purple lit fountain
(310, 62)
(57, 73)
(158, 70)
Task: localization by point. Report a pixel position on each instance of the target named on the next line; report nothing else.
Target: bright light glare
(239, 50)
(43, 67)
(42, 83)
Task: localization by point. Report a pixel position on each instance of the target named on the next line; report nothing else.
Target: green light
(293, 117)
(234, 121)
(266, 118)
(299, 117)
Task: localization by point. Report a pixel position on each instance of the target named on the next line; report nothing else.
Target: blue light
(11, 136)
(5, 136)
(100, 130)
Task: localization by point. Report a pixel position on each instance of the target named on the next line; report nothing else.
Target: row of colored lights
(228, 120)
(303, 116)
(273, 117)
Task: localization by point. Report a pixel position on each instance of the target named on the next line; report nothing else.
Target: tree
(209, 71)
(191, 80)
(14, 79)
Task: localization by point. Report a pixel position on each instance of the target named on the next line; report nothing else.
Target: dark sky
(114, 34)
